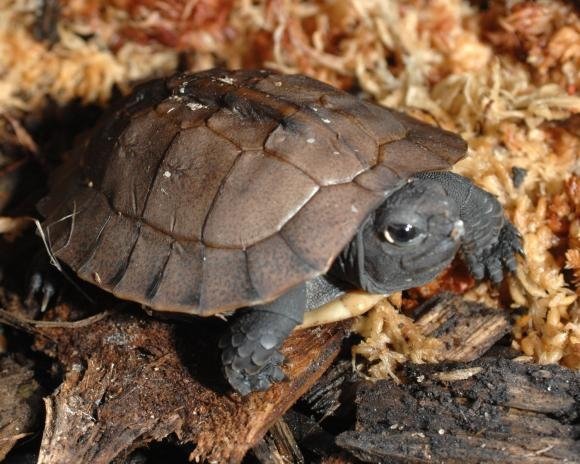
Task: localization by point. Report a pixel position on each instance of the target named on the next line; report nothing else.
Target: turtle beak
(458, 230)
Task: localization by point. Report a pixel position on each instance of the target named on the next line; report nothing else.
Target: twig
(33, 327)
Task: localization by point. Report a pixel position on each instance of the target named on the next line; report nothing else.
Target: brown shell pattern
(207, 192)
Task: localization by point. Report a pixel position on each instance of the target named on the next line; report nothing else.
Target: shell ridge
(431, 152)
(260, 102)
(216, 196)
(336, 136)
(445, 155)
(122, 271)
(273, 154)
(352, 119)
(91, 253)
(154, 287)
(72, 217)
(219, 134)
(255, 294)
(298, 255)
(202, 274)
(157, 169)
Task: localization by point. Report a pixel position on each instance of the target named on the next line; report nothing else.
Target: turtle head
(410, 238)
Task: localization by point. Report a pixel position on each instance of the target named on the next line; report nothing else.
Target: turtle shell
(206, 192)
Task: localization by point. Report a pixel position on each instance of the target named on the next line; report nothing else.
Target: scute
(134, 162)
(206, 192)
(338, 207)
(179, 286)
(274, 267)
(300, 141)
(186, 185)
(146, 264)
(257, 182)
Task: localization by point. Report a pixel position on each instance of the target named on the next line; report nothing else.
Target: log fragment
(333, 391)
(20, 403)
(466, 328)
(278, 446)
(317, 443)
(493, 410)
(131, 380)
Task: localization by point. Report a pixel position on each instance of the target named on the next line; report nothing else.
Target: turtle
(258, 196)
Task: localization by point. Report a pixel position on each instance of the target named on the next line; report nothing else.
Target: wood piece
(20, 403)
(278, 446)
(466, 328)
(131, 380)
(313, 439)
(504, 411)
(333, 391)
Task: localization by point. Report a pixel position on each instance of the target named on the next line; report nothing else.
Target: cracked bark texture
(20, 400)
(131, 380)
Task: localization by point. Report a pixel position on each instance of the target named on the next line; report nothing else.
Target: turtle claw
(40, 288)
(42, 285)
(498, 258)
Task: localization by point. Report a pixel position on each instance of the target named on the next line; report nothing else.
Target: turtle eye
(401, 234)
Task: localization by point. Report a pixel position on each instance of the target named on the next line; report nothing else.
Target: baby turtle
(268, 194)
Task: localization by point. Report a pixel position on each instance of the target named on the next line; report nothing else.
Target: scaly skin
(250, 356)
(490, 241)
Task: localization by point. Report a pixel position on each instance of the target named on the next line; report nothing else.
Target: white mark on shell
(354, 209)
(97, 277)
(164, 192)
(278, 84)
(336, 153)
(310, 140)
(182, 89)
(90, 184)
(193, 106)
(167, 174)
(326, 121)
(226, 80)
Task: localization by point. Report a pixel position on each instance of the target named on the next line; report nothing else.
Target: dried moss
(506, 79)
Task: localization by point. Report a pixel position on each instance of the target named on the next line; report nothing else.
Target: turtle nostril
(458, 230)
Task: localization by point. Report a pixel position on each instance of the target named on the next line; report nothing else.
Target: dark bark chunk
(494, 410)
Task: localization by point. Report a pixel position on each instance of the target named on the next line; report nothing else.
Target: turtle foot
(492, 261)
(252, 377)
(250, 356)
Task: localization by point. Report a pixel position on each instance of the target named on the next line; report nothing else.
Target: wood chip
(131, 380)
(278, 446)
(504, 412)
(467, 329)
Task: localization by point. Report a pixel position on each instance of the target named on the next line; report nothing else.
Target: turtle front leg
(490, 241)
(250, 357)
